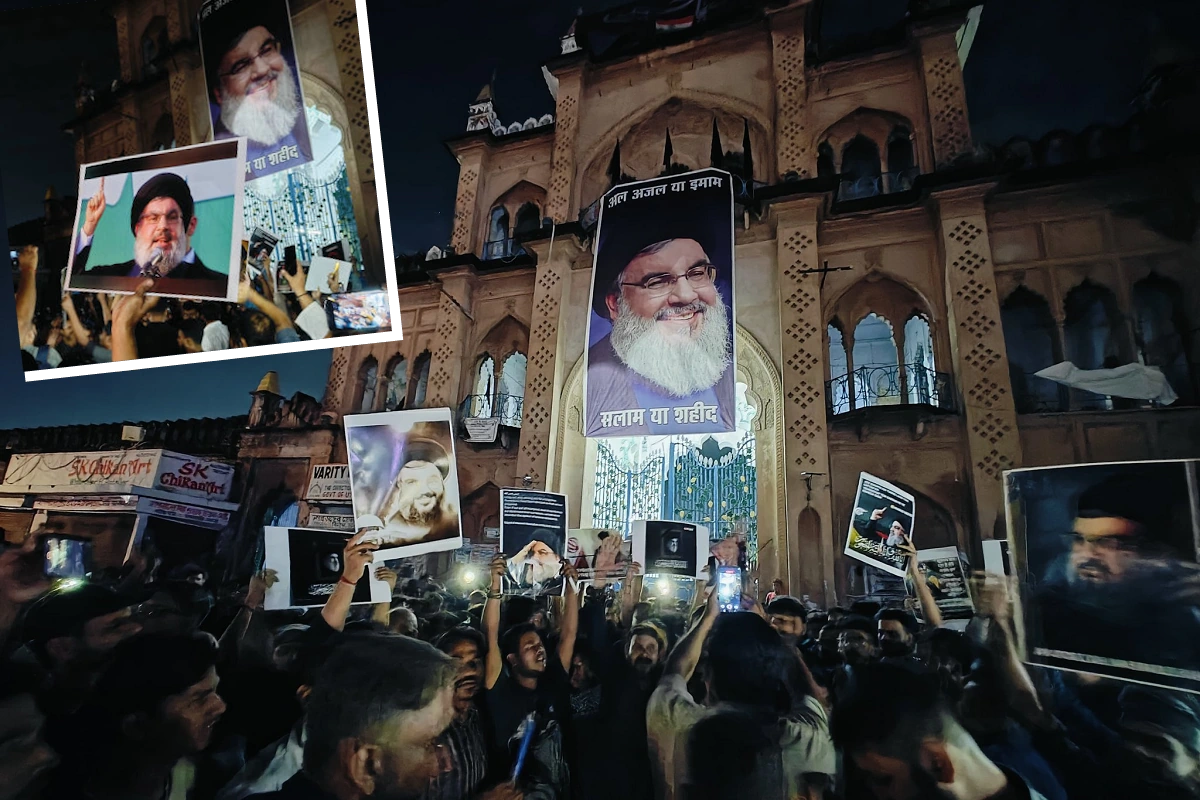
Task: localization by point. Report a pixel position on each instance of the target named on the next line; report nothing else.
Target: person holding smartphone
(746, 666)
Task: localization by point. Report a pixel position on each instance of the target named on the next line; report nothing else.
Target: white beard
(679, 366)
(172, 255)
(263, 120)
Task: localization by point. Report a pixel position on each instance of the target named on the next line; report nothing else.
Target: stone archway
(573, 457)
(327, 99)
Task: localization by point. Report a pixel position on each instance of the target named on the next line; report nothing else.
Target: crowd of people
(153, 682)
(96, 328)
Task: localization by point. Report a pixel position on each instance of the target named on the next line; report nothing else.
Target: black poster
(533, 535)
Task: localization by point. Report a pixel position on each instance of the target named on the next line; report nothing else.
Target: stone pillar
(977, 345)
(125, 48)
(177, 27)
(449, 348)
(471, 164)
(805, 440)
(182, 91)
(949, 127)
(560, 199)
(343, 23)
(793, 153)
(543, 376)
(339, 377)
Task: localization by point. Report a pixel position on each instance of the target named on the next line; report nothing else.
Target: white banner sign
(329, 483)
(482, 430)
(151, 469)
(199, 516)
(101, 502)
(331, 522)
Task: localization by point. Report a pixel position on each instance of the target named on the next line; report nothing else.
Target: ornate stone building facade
(160, 101)
(897, 283)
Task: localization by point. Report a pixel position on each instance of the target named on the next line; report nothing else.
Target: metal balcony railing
(502, 248)
(874, 185)
(888, 386)
(505, 407)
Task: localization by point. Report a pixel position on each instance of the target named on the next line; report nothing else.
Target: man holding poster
(660, 360)
(253, 82)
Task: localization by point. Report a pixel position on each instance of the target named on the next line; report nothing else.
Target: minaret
(265, 408)
(482, 113)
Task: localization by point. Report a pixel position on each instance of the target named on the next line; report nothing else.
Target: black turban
(630, 227)
(426, 450)
(165, 184)
(223, 29)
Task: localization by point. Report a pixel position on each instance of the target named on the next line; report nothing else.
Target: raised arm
(27, 263)
(491, 622)
(929, 609)
(127, 314)
(82, 335)
(570, 623)
(355, 558)
(247, 294)
(686, 655)
(382, 612)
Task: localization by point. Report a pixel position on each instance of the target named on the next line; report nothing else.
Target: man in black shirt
(521, 678)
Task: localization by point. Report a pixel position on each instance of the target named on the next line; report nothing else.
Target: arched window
(825, 165)
(512, 390)
(420, 381)
(498, 243)
(876, 363)
(529, 219)
(860, 169)
(397, 384)
(483, 394)
(901, 166)
(1090, 329)
(364, 388)
(839, 379)
(1160, 333)
(919, 369)
(1030, 339)
(154, 44)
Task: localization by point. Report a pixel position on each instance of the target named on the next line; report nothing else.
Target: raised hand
(607, 554)
(877, 514)
(94, 211)
(357, 555)
(130, 309)
(388, 576)
(498, 567)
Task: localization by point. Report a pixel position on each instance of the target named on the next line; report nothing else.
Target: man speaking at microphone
(163, 222)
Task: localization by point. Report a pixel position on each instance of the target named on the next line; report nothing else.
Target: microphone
(157, 257)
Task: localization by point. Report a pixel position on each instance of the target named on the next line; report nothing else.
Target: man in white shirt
(747, 667)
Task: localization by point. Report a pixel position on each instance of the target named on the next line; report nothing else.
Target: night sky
(1035, 67)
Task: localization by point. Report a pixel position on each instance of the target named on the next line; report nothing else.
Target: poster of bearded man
(1106, 557)
(404, 482)
(660, 332)
(174, 216)
(253, 78)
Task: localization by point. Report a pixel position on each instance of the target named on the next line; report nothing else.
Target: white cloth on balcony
(1133, 381)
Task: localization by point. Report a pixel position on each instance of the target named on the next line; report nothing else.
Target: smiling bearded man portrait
(253, 83)
(659, 273)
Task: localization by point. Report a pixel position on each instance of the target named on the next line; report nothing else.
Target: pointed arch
(1160, 326)
(365, 385)
(1092, 334)
(498, 243)
(419, 384)
(573, 456)
(1031, 342)
(396, 376)
(509, 334)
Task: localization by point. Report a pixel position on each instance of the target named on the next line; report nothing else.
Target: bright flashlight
(664, 587)
(469, 576)
(67, 584)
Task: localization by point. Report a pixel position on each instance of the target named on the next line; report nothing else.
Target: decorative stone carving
(978, 346)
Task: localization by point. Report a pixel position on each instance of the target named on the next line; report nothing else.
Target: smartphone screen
(729, 588)
(66, 557)
(359, 311)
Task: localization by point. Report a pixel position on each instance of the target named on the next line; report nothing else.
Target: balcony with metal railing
(502, 248)
(866, 387)
(505, 407)
(875, 185)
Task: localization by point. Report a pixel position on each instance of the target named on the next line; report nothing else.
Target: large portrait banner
(404, 481)
(882, 520)
(1106, 557)
(174, 216)
(660, 357)
(253, 80)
